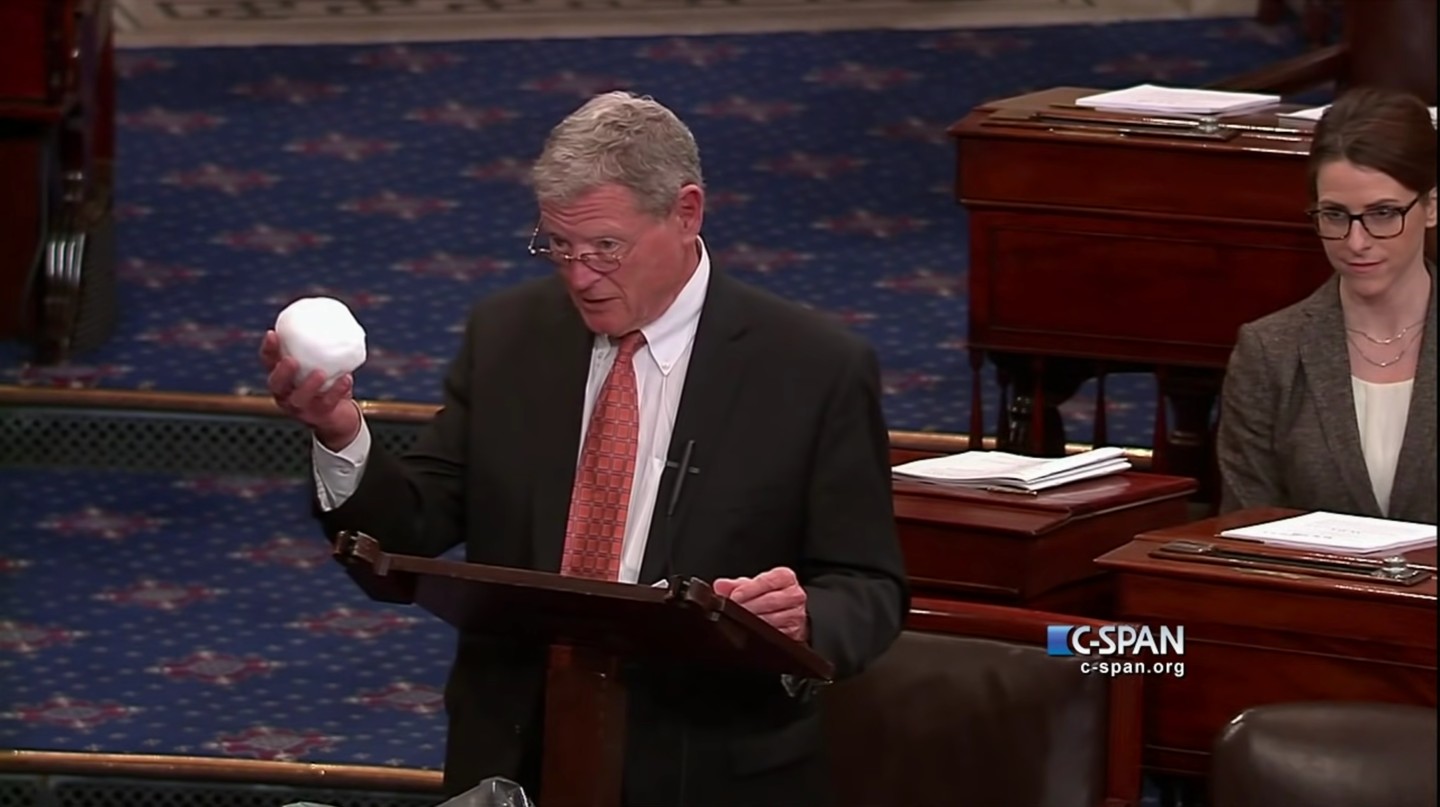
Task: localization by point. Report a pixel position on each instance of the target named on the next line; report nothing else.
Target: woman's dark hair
(1384, 130)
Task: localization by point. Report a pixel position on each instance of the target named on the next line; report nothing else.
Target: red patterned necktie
(600, 501)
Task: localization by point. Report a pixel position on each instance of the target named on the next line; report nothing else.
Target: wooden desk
(56, 153)
(1256, 638)
(1093, 251)
(1030, 551)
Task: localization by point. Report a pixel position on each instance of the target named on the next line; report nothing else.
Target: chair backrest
(1385, 43)
(1326, 754)
(968, 708)
(1391, 43)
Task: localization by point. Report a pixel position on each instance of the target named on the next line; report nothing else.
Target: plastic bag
(493, 792)
(496, 791)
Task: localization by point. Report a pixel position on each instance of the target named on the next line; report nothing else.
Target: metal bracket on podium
(1395, 571)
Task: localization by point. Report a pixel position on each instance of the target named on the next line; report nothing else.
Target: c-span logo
(1114, 640)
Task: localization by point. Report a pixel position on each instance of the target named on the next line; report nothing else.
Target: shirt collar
(667, 337)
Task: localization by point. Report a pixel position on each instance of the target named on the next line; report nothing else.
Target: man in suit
(571, 406)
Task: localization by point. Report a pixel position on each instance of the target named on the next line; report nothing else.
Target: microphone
(684, 469)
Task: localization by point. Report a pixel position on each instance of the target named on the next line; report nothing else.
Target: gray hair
(619, 139)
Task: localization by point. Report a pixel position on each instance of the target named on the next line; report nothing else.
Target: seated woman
(1330, 404)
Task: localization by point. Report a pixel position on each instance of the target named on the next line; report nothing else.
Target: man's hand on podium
(775, 596)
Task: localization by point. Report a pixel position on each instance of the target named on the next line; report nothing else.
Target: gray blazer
(1288, 434)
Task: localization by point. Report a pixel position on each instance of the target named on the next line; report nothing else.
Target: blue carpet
(163, 614)
(389, 177)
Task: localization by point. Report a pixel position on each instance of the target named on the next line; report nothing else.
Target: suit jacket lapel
(1326, 360)
(1413, 480)
(556, 373)
(717, 362)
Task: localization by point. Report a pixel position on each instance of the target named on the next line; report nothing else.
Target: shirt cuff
(338, 474)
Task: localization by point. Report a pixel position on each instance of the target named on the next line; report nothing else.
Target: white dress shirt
(1381, 411)
(660, 368)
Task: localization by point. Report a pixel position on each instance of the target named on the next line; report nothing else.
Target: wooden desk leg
(1038, 436)
(977, 414)
(585, 710)
(1101, 436)
(1189, 449)
(1030, 422)
(1270, 12)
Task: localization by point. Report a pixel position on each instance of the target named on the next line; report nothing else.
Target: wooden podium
(1287, 627)
(1124, 243)
(592, 627)
(1034, 552)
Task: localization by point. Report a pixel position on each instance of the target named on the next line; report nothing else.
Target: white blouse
(1381, 411)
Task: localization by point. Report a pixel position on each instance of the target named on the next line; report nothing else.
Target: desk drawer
(1131, 176)
(1095, 285)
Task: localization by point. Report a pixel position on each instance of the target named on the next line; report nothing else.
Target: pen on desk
(1014, 491)
(1237, 538)
(680, 475)
(1408, 563)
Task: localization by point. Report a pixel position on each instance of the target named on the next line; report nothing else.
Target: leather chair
(967, 708)
(1384, 43)
(1326, 754)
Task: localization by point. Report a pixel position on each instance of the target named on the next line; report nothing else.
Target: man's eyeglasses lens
(597, 261)
(594, 260)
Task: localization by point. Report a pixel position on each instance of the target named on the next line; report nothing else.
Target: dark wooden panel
(1130, 290)
(25, 53)
(1000, 168)
(19, 230)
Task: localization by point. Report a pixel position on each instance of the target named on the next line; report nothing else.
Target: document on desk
(1001, 471)
(1157, 100)
(1339, 533)
(1314, 113)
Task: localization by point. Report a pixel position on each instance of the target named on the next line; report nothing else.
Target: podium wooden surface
(1036, 551)
(592, 628)
(1108, 247)
(1254, 637)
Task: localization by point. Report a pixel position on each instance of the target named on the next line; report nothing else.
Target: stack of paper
(1156, 100)
(1339, 534)
(999, 470)
(1312, 115)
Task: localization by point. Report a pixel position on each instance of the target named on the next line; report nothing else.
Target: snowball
(321, 334)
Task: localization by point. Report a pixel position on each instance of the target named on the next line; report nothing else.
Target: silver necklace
(1392, 340)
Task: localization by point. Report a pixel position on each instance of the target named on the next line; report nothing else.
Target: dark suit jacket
(1288, 434)
(784, 409)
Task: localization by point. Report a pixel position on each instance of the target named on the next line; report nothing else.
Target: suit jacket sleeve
(414, 504)
(1249, 472)
(854, 575)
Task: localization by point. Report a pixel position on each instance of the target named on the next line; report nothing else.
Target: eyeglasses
(1333, 224)
(601, 262)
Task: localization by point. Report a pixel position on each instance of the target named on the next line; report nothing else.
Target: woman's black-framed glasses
(601, 262)
(1333, 223)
